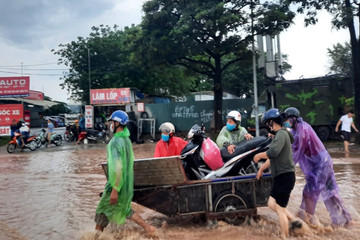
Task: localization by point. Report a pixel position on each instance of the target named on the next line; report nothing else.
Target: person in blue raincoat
(316, 164)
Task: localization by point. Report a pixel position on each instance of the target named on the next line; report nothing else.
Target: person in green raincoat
(232, 133)
(115, 203)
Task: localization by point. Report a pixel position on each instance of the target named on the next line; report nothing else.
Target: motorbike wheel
(33, 145)
(38, 142)
(67, 136)
(58, 141)
(11, 148)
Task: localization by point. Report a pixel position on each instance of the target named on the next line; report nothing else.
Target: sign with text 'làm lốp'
(109, 96)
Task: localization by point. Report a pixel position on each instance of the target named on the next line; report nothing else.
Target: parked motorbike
(16, 143)
(69, 135)
(93, 135)
(238, 163)
(42, 139)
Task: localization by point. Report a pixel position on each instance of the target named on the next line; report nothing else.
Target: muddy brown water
(52, 193)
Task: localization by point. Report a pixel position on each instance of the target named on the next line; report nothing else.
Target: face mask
(165, 138)
(111, 128)
(230, 127)
(287, 125)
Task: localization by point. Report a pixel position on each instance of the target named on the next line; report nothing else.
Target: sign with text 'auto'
(14, 86)
(109, 96)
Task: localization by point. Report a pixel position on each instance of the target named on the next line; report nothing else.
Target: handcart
(161, 184)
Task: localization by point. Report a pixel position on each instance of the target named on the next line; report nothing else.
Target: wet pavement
(52, 193)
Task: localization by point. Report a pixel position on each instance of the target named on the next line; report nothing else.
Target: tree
(341, 59)
(344, 13)
(209, 37)
(106, 59)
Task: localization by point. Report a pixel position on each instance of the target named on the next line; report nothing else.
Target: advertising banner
(8, 112)
(35, 95)
(109, 96)
(14, 86)
(89, 116)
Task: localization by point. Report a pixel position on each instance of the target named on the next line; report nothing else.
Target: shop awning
(43, 103)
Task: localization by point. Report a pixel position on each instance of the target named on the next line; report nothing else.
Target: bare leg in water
(149, 229)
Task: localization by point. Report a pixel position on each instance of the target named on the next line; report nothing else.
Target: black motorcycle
(93, 135)
(235, 164)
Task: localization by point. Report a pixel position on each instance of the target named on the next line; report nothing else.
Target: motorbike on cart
(15, 143)
(238, 163)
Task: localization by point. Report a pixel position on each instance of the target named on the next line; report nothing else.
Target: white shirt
(346, 123)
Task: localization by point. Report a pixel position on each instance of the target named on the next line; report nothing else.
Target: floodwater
(52, 193)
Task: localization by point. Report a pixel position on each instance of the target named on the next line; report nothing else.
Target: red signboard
(110, 96)
(8, 112)
(14, 86)
(89, 116)
(36, 95)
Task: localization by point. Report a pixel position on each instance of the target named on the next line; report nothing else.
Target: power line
(35, 74)
(30, 65)
(35, 69)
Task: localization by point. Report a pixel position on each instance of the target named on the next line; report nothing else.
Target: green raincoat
(120, 160)
(230, 137)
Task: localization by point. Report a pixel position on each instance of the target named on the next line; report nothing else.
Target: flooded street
(52, 193)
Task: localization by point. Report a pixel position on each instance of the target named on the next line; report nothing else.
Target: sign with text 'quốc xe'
(9, 112)
(14, 86)
(109, 96)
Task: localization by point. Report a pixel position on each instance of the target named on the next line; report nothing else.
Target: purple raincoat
(316, 164)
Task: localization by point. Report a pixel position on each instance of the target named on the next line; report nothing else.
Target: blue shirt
(82, 123)
(51, 127)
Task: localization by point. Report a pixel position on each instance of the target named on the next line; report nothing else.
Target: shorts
(346, 135)
(102, 220)
(282, 187)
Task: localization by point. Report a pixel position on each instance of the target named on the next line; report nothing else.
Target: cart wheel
(229, 201)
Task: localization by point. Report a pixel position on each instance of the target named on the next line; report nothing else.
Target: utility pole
(89, 68)
(22, 68)
(254, 73)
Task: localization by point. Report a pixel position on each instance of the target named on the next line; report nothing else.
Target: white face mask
(111, 128)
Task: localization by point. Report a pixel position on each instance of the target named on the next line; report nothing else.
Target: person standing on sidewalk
(317, 166)
(346, 122)
(115, 203)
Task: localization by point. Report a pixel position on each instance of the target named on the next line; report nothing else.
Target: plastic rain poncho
(316, 164)
(120, 160)
(231, 137)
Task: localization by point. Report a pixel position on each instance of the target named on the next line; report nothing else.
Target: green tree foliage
(340, 56)
(57, 109)
(209, 37)
(344, 13)
(110, 53)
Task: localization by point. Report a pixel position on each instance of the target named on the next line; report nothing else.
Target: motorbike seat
(244, 146)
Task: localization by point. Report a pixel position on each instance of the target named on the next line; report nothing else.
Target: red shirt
(171, 148)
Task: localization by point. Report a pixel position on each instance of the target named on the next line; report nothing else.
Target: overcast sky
(30, 29)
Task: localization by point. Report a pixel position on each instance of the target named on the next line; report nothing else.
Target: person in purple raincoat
(316, 164)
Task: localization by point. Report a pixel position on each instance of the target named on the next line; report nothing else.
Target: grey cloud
(25, 22)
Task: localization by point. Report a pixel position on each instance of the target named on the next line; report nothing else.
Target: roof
(43, 103)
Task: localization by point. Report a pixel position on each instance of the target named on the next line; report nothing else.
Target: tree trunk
(355, 50)
(218, 94)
